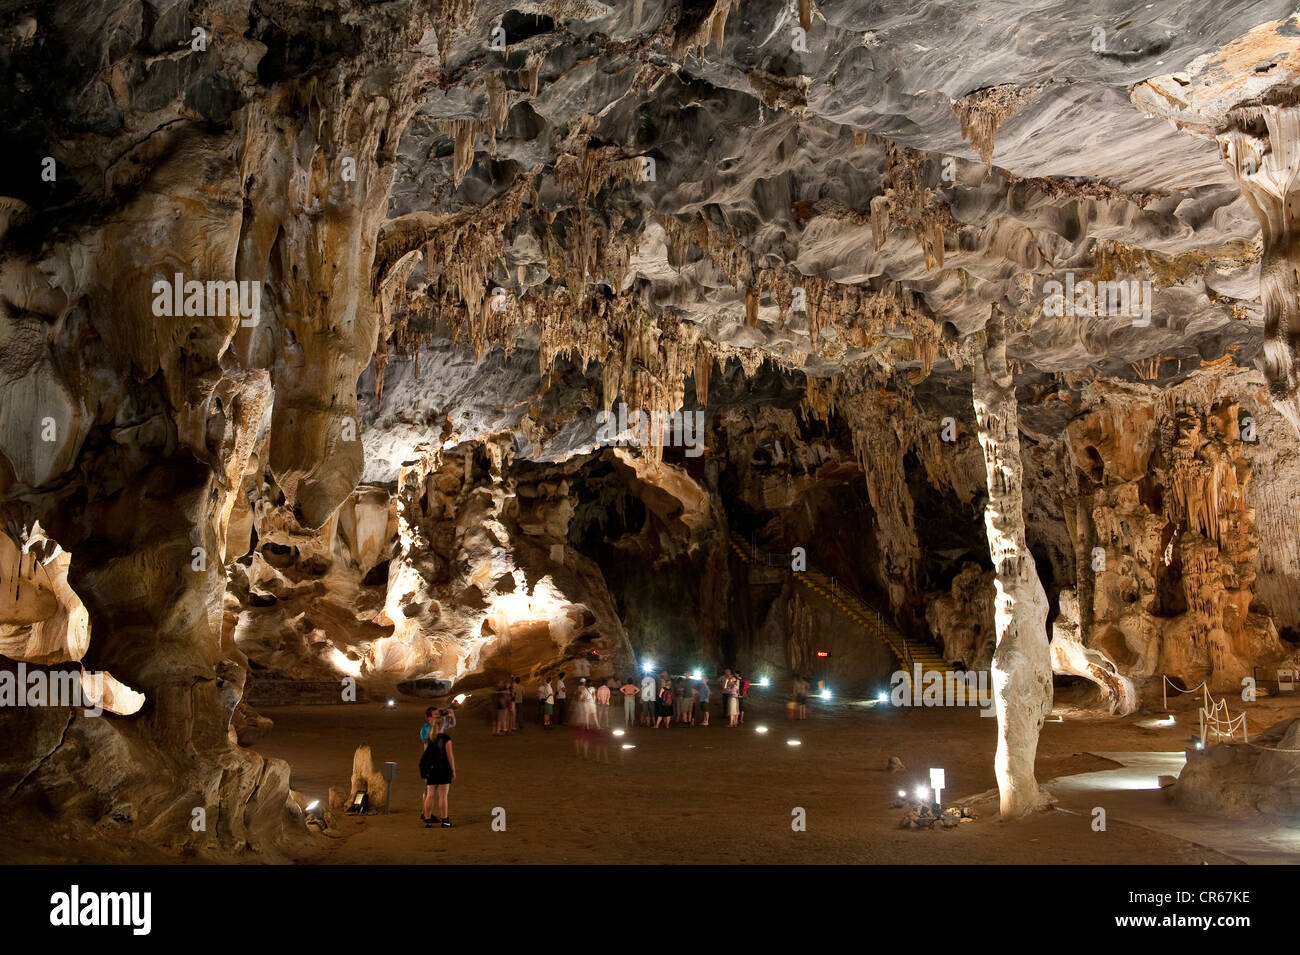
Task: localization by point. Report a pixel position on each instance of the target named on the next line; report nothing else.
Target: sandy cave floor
(720, 795)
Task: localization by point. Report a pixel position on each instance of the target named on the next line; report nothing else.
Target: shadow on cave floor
(715, 794)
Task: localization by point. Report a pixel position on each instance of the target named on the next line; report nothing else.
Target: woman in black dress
(438, 769)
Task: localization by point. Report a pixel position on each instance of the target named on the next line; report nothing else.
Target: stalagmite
(1022, 671)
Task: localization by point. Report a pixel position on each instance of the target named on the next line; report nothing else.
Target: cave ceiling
(842, 189)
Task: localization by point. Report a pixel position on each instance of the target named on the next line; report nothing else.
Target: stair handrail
(880, 632)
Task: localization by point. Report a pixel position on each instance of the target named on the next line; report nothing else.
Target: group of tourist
(508, 701)
(662, 700)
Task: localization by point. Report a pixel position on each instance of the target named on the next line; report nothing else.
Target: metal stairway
(877, 625)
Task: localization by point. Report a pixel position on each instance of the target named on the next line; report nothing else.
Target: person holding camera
(438, 767)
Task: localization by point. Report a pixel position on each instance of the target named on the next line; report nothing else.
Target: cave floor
(720, 795)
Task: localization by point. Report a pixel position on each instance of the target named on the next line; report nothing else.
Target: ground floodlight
(760, 729)
(765, 682)
(826, 694)
(792, 742)
(937, 782)
(648, 667)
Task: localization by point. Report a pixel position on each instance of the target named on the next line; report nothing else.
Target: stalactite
(819, 398)
(463, 133)
(906, 201)
(710, 28)
(982, 112)
(703, 369)
(531, 73)
(879, 220)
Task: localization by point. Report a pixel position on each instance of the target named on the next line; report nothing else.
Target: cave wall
(128, 424)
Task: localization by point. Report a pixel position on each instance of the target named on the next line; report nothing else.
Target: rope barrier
(1164, 689)
(1210, 710)
(1272, 749)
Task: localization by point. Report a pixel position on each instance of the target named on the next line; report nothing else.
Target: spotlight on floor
(648, 667)
(696, 675)
(881, 697)
(826, 694)
(629, 746)
(760, 729)
(792, 742)
(902, 794)
(922, 793)
(765, 682)
(392, 703)
(619, 732)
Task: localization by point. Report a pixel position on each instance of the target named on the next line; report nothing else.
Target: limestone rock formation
(1243, 780)
(962, 620)
(1021, 667)
(1169, 542)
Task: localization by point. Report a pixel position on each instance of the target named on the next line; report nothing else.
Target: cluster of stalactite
(886, 426)
(983, 111)
(438, 268)
(862, 317)
(907, 202)
(459, 250)
(462, 250)
(710, 28)
(1166, 537)
(646, 358)
(819, 399)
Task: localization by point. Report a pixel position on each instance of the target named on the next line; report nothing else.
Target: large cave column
(1244, 95)
(316, 190)
(1261, 147)
(1022, 670)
